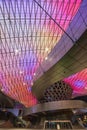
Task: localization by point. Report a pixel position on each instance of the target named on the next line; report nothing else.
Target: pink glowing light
(25, 31)
(78, 82)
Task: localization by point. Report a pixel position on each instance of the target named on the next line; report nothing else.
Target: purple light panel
(27, 36)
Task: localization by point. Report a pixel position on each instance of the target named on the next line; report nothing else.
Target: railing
(35, 129)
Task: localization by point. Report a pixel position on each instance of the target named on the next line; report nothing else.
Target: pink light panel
(27, 36)
(78, 82)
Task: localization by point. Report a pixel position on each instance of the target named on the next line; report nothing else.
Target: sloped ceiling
(29, 30)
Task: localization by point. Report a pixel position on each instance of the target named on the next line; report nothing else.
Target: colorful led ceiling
(78, 82)
(29, 30)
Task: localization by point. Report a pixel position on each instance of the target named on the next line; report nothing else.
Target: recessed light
(31, 83)
(21, 72)
(2, 89)
(46, 49)
(16, 51)
(46, 58)
(24, 84)
(34, 74)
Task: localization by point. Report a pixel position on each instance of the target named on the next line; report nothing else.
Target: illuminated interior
(29, 30)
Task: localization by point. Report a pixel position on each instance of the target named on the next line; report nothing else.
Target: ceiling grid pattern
(29, 30)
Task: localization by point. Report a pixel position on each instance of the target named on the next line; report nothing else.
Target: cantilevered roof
(31, 31)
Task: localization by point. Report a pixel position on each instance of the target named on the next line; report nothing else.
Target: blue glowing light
(29, 89)
(79, 83)
(28, 77)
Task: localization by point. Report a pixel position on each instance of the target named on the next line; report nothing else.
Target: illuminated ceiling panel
(78, 82)
(29, 30)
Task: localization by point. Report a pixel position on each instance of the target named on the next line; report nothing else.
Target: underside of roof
(34, 35)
